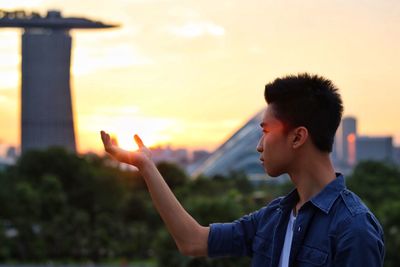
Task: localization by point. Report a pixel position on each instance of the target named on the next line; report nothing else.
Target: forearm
(190, 237)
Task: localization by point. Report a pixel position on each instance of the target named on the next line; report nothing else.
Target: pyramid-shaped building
(237, 154)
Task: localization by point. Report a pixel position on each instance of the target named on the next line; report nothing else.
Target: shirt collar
(323, 200)
(289, 200)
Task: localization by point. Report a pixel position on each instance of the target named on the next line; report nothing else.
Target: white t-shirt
(284, 260)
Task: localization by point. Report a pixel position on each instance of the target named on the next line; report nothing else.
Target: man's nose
(260, 145)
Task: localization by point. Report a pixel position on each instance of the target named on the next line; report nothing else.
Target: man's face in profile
(274, 146)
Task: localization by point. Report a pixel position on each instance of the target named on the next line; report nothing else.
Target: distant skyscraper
(345, 150)
(46, 105)
(375, 148)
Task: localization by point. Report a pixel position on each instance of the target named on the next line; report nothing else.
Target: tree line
(58, 206)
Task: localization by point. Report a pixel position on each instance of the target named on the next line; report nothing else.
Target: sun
(125, 140)
(153, 132)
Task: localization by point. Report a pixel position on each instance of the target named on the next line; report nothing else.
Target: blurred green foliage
(61, 207)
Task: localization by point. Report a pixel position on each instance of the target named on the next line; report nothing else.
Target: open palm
(135, 158)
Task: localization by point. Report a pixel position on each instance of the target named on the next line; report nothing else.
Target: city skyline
(347, 130)
(191, 74)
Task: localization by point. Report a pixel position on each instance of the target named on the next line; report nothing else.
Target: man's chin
(272, 173)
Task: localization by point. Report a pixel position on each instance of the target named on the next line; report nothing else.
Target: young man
(320, 223)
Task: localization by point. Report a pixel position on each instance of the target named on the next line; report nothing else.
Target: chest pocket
(309, 256)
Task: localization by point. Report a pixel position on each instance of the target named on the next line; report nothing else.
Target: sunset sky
(189, 73)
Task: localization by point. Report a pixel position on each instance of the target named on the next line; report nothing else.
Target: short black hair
(307, 100)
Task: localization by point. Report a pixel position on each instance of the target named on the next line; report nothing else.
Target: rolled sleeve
(220, 239)
(232, 239)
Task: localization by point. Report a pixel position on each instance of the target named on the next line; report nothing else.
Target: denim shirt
(334, 228)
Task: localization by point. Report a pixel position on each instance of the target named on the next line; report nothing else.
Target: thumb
(138, 141)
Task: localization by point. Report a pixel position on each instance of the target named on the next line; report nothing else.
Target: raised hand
(136, 158)
(190, 237)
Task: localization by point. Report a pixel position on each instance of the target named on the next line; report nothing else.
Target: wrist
(146, 165)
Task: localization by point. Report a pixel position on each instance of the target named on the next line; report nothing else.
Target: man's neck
(311, 176)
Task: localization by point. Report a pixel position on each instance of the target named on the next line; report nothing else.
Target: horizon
(136, 77)
(4, 147)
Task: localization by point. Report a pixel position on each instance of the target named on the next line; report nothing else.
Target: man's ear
(299, 137)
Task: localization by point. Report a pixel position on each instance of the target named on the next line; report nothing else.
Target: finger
(138, 141)
(104, 138)
(106, 141)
